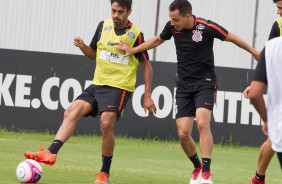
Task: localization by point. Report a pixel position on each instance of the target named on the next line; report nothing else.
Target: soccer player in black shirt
(196, 78)
(266, 153)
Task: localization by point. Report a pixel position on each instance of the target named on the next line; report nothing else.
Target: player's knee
(183, 135)
(203, 126)
(106, 126)
(71, 114)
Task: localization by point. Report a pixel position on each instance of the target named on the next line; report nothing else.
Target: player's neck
(123, 25)
(190, 23)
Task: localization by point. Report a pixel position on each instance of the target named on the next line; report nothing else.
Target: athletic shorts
(105, 98)
(188, 99)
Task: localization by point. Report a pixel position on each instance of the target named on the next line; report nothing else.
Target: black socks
(260, 177)
(206, 164)
(106, 164)
(55, 146)
(195, 160)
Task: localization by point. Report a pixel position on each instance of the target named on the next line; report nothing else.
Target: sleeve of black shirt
(217, 31)
(166, 34)
(260, 72)
(141, 56)
(97, 36)
(275, 31)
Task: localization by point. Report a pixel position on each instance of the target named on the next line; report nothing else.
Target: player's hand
(246, 92)
(124, 47)
(78, 42)
(265, 128)
(149, 106)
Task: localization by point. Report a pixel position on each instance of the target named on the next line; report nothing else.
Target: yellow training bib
(112, 68)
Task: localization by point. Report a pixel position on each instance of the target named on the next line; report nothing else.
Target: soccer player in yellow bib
(113, 84)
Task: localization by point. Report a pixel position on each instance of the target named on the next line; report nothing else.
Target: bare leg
(184, 127)
(279, 155)
(203, 117)
(74, 112)
(265, 155)
(107, 123)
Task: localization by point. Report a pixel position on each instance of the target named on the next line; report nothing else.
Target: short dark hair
(183, 6)
(123, 3)
(275, 1)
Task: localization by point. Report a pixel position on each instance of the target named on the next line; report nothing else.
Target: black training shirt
(275, 31)
(194, 49)
(260, 72)
(141, 56)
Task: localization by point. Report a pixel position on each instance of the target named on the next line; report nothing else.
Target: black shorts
(105, 98)
(188, 99)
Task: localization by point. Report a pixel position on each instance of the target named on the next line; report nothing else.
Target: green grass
(135, 161)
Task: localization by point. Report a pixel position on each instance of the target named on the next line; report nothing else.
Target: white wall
(48, 25)
(51, 25)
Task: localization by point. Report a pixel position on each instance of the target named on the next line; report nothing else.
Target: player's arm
(274, 32)
(147, 45)
(256, 97)
(87, 50)
(257, 88)
(242, 44)
(143, 58)
(91, 50)
(148, 73)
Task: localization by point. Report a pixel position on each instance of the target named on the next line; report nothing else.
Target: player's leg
(204, 101)
(184, 122)
(279, 154)
(203, 117)
(265, 155)
(82, 106)
(77, 110)
(107, 122)
(111, 103)
(184, 128)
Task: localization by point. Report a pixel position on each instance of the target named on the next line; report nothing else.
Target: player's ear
(188, 15)
(129, 12)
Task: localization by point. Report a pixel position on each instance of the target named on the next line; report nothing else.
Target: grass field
(135, 161)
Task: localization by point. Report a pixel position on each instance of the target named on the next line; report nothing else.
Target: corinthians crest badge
(197, 36)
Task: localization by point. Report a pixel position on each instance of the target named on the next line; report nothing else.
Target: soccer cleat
(256, 181)
(102, 178)
(206, 178)
(196, 175)
(44, 156)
